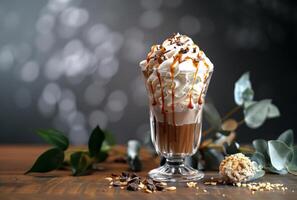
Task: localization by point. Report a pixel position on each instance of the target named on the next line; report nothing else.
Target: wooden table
(14, 160)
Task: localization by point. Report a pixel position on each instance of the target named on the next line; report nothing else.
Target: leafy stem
(80, 160)
(231, 112)
(225, 118)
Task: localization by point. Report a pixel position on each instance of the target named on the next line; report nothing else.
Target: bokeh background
(70, 64)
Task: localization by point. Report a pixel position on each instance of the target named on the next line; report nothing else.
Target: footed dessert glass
(177, 75)
(176, 142)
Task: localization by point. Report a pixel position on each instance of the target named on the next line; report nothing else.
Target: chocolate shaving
(132, 187)
(116, 184)
(183, 51)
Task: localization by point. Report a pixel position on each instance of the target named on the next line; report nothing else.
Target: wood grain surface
(14, 160)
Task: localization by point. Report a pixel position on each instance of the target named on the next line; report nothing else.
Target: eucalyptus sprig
(80, 161)
(277, 156)
(220, 137)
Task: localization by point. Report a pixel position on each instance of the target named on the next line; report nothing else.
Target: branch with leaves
(220, 137)
(82, 161)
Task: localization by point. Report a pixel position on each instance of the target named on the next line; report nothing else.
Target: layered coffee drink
(177, 74)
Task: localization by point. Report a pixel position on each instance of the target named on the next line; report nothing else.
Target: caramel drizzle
(195, 63)
(162, 96)
(150, 54)
(204, 81)
(177, 59)
(153, 93)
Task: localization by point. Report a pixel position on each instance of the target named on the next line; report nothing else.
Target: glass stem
(175, 162)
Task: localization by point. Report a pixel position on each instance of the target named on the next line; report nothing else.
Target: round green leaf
(256, 114)
(273, 111)
(292, 166)
(273, 170)
(243, 89)
(279, 153)
(248, 103)
(259, 158)
(287, 137)
(50, 160)
(54, 137)
(261, 146)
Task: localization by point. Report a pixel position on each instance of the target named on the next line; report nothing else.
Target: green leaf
(273, 170)
(248, 103)
(54, 137)
(109, 138)
(102, 156)
(108, 142)
(279, 153)
(212, 116)
(287, 137)
(292, 165)
(273, 111)
(256, 114)
(49, 160)
(261, 146)
(80, 163)
(95, 141)
(243, 89)
(259, 158)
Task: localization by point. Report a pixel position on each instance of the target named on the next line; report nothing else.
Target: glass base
(175, 171)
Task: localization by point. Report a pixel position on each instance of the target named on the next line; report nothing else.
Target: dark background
(71, 64)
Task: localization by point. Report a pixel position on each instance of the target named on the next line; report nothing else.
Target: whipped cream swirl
(177, 73)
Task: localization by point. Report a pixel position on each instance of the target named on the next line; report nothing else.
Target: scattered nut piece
(148, 191)
(172, 188)
(108, 178)
(163, 183)
(204, 190)
(191, 184)
(213, 183)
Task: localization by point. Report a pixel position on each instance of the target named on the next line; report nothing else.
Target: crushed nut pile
(252, 186)
(132, 182)
(237, 168)
(262, 186)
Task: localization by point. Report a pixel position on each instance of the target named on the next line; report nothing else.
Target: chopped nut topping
(191, 184)
(172, 188)
(108, 178)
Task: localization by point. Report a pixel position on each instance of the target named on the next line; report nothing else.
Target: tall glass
(176, 141)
